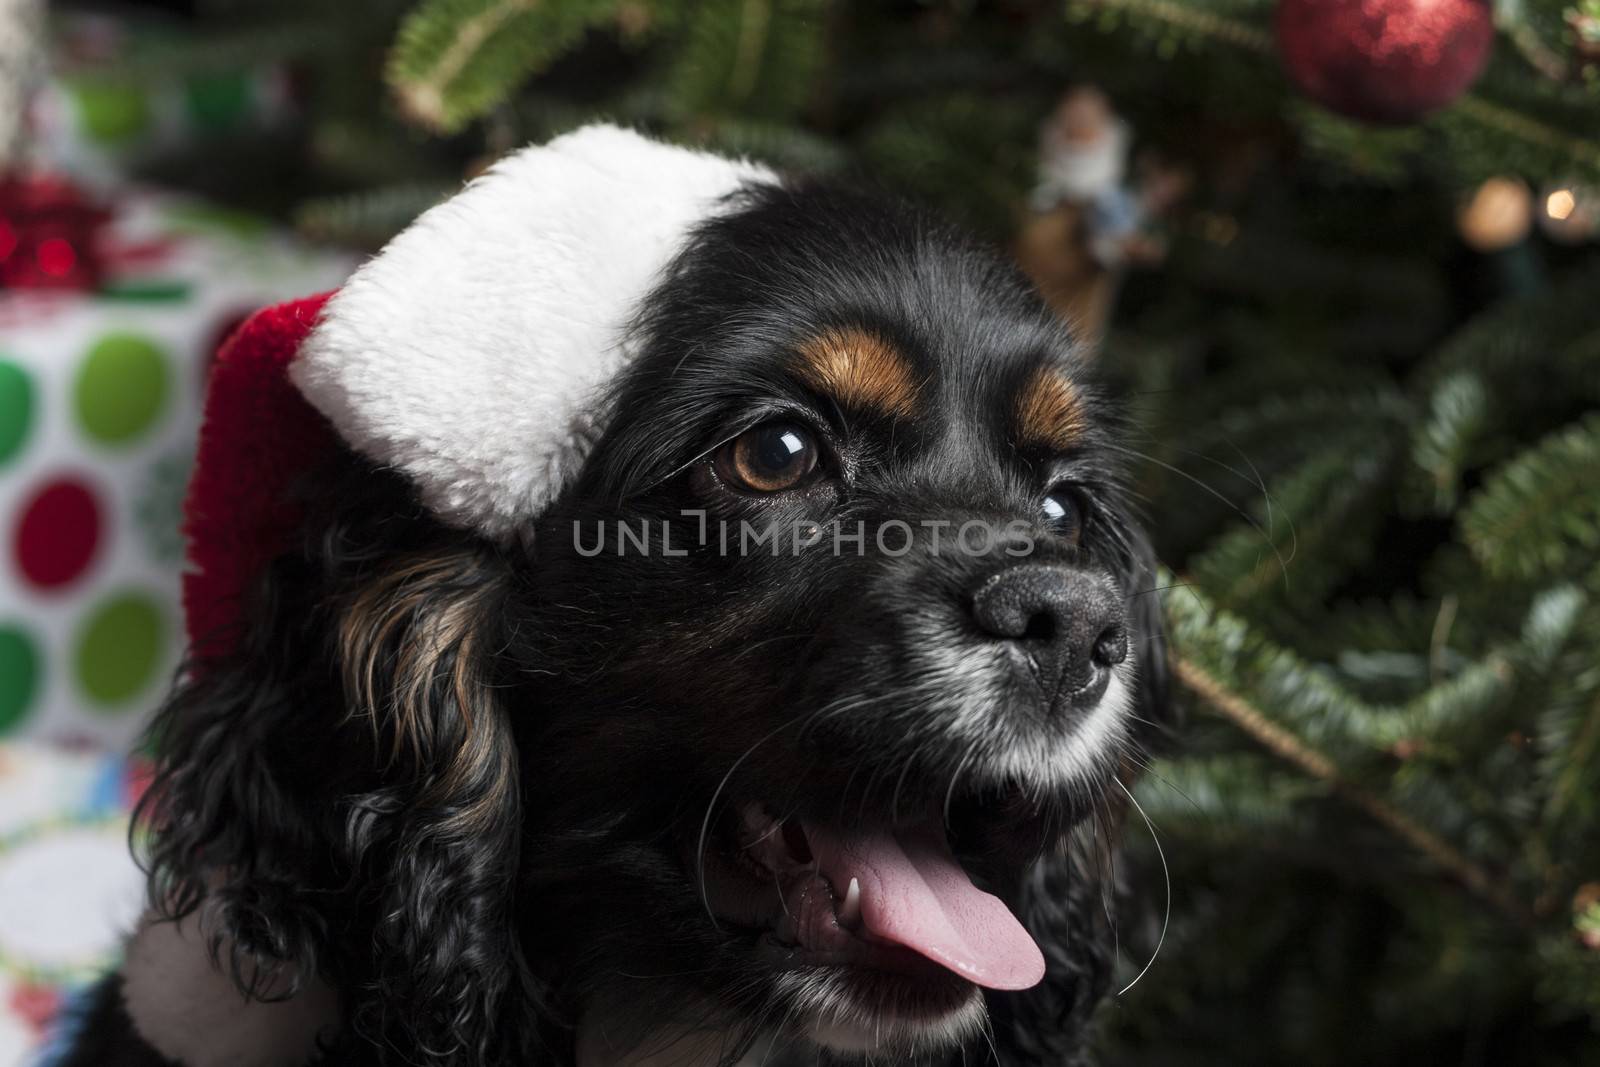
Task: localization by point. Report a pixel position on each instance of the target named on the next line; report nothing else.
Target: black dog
(844, 618)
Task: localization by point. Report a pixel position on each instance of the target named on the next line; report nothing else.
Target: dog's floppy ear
(438, 841)
(339, 798)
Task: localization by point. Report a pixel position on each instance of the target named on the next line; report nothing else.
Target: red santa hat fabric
(471, 354)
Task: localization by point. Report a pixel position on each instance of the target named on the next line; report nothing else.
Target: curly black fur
(340, 797)
(467, 784)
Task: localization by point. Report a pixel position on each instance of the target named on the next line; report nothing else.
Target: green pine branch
(1394, 645)
(1566, 635)
(1285, 745)
(1444, 442)
(1501, 342)
(755, 58)
(1308, 530)
(1310, 701)
(1539, 513)
(1226, 801)
(454, 60)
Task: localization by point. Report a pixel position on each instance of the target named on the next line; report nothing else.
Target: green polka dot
(16, 409)
(121, 388)
(119, 649)
(112, 112)
(19, 676)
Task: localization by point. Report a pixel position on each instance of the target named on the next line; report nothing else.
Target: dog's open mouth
(895, 902)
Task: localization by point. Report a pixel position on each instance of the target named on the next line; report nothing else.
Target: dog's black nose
(1069, 624)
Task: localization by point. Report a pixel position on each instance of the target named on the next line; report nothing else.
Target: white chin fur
(830, 1016)
(874, 1038)
(825, 1016)
(1076, 761)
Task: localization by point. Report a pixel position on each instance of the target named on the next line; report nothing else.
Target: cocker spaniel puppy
(656, 613)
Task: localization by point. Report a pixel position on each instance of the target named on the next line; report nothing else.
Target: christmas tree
(1364, 367)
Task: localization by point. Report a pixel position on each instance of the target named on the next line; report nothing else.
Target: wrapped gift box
(100, 394)
(69, 884)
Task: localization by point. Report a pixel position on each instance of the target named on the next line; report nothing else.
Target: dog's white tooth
(850, 906)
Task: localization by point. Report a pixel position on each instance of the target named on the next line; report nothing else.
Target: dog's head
(763, 730)
(849, 596)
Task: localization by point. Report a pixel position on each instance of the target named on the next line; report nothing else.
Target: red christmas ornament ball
(1387, 61)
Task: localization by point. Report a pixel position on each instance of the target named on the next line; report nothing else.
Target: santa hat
(470, 355)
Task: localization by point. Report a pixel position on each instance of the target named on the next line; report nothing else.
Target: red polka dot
(35, 1004)
(58, 533)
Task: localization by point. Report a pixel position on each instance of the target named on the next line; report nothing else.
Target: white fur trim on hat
(470, 353)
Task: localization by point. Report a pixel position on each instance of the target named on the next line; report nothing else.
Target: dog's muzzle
(1069, 626)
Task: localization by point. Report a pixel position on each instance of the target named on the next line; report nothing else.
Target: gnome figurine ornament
(1083, 161)
(1088, 220)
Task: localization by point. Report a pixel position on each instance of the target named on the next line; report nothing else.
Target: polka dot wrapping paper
(69, 887)
(100, 395)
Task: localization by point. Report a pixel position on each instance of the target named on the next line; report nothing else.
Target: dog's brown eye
(1063, 509)
(770, 458)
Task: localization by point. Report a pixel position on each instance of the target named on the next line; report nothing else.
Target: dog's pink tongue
(914, 893)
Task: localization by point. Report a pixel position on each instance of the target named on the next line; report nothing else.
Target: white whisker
(1165, 872)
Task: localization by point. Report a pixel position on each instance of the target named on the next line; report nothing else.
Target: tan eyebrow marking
(1049, 411)
(860, 370)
